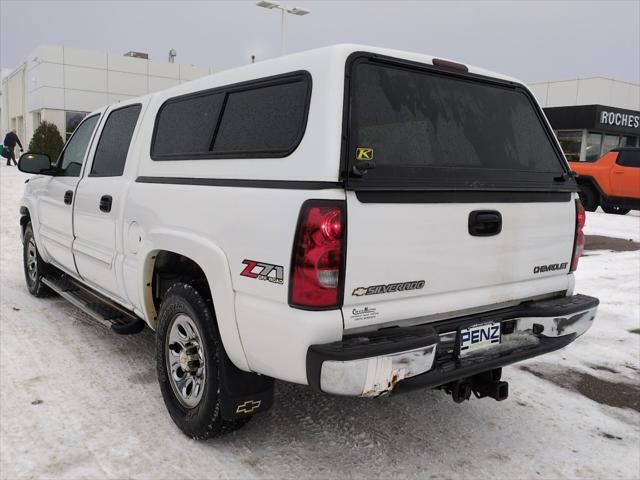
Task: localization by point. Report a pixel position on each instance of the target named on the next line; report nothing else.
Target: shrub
(47, 139)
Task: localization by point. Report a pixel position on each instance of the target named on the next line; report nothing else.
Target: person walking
(10, 141)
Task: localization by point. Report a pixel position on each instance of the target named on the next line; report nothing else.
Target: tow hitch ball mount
(485, 384)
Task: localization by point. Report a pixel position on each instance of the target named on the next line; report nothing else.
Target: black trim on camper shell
(445, 196)
(460, 197)
(243, 183)
(291, 77)
(527, 184)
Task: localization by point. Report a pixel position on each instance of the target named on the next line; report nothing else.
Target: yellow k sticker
(364, 153)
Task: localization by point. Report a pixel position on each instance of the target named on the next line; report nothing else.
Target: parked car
(356, 219)
(611, 182)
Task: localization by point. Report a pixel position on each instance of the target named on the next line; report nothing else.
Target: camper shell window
(429, 128)
(262, 118)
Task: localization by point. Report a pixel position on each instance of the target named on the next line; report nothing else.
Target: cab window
(70, 161)
(629, 158)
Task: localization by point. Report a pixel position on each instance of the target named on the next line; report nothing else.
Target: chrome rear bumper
(372, 364)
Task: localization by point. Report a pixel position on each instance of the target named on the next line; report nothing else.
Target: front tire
(589, 198)
(188, 353)
(615, 209)
(34, 266)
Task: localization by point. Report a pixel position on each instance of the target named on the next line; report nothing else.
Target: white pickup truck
(360, 220)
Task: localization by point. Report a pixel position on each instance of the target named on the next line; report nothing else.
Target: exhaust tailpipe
(459, 390)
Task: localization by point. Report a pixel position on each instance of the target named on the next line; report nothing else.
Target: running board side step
(102, 310)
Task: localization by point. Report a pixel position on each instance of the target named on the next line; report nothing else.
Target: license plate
(478, 337)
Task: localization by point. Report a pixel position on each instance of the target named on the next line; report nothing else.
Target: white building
(591, 116)
(587, 91)
(61, 85)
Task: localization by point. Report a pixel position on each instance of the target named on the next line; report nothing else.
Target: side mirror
(38, 163)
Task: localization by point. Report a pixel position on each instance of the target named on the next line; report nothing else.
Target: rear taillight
(317, 263)
(578, 243)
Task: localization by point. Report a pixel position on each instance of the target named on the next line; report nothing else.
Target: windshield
(419, 125)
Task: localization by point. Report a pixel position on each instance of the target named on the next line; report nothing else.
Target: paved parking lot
(77, 401)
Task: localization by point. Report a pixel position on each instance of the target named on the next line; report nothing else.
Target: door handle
(485, 223)
(105, 203)
(68, 197)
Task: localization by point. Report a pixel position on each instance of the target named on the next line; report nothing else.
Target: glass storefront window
(610, 142)
(570, 141)
(629, 141)
(594, 144)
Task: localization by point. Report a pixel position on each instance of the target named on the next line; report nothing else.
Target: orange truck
(611, 182)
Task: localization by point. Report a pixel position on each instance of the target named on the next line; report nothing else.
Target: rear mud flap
(242, 393)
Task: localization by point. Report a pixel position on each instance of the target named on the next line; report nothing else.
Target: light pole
(283, 10)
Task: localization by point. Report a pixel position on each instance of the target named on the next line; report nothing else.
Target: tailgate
(424, 262)
(458, 197)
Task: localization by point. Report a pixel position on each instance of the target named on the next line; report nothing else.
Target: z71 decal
(263, 271)
(392, 287)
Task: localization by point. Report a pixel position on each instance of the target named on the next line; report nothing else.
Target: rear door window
(113, 146)
(427, 128)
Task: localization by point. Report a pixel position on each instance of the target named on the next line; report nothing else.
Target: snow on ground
(617, 226)
(79, 402)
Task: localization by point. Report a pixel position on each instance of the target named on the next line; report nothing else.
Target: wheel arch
(29, 213)
(589, 181)
(25, 218)
(200, 253)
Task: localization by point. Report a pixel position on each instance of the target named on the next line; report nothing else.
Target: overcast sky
(540, 40)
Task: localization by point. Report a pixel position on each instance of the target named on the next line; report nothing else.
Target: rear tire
(34, 266)
(615, 209)
(589, 198)
(188, 357)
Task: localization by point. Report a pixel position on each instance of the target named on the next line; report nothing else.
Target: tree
(47, 139)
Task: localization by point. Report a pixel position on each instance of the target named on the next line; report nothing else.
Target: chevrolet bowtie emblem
(249, 406)
(359, 291)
